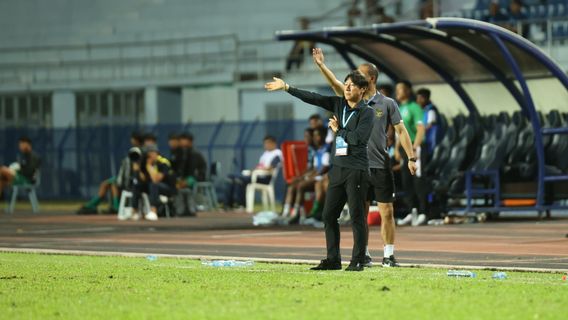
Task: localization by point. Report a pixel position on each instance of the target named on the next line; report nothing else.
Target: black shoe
(294, 220)
(390, 262)
(355, 266)
(87, 210)
(326, 264)
(367, 262)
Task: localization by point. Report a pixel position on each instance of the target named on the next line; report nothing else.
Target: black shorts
(381, 186)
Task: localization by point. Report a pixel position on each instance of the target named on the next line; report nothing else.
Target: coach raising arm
(386, 114)
(352, 123)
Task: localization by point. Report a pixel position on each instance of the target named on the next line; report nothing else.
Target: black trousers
(346, 185)
(154, 191)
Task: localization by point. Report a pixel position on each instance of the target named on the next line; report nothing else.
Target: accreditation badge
(340, 146)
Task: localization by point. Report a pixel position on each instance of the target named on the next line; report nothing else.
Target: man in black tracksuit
(348, 178)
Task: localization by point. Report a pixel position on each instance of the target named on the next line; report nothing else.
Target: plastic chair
(267, 190)
(144, 206)
(32, 195)
(207, 188)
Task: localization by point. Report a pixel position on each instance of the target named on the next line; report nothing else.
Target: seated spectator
(155, 177)
(292, 187)
(495, 15)
(300, 49)
(23, 171)
(150, 139)
(173, 143)
(190, 167)
(109, 185)
(316, 122)
(426, 9)
(516, 18)
(319, 167)
(381, 17)
(269, 160)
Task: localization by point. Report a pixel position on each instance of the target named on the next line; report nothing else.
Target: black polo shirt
(356, 132)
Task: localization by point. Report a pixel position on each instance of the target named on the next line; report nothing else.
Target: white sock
(388, 250)
(367, 253)
(296, 210)
(286, 210)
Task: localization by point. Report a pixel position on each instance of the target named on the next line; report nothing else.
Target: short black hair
(25, 139)
(173, 136)
(270, 138)
(315, 116)
(138, 136)
(186, 135)
(424, 92)
(372, 70)
(322, 132)
(150, 136)
(357, 78)
(387, 88)
(519, 2)
(407, 83)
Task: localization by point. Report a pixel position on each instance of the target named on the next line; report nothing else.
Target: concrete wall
(210, 104)
(39, 22)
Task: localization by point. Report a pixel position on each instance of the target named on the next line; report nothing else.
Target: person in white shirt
(269, 160)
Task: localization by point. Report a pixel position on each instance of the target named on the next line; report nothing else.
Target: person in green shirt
(412, 117)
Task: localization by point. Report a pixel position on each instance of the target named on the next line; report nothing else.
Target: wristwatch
(412, 159)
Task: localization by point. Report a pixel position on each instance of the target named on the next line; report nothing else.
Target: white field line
(267, 260)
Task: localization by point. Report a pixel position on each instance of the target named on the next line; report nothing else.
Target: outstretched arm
(326, 102)
(406, 143)
(336, 85)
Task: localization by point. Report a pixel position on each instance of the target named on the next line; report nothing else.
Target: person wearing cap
(112, 184)
(154, 176)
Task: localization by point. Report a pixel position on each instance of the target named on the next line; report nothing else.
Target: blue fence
(76, 160)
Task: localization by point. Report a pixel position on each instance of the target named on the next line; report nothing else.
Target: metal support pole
(533, 116)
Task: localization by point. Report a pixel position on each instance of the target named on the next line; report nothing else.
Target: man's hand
(275, 85)
(412, 167)
(334, 124)
(317, 54)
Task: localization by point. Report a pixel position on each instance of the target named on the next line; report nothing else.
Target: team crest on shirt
(379, 113)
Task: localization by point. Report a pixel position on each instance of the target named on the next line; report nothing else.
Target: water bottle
(499, 275)
(151, 258)
(436, 222)
(227, 263)
(461, 274)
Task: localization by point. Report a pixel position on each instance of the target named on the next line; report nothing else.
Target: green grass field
(34, 286)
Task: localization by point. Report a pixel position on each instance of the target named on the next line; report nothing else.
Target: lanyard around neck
(343, 121)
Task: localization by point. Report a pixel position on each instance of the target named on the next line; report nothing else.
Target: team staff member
(413, 116)
(352, 123)
(386, 113)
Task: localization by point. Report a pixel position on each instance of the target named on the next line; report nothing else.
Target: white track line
(55, 231)
(263, 234)
(268, 260)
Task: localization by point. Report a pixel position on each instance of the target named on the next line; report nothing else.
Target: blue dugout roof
(452, 51)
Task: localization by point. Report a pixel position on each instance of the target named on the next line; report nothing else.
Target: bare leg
(6, 177)
(387, 222)
(103, 188)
